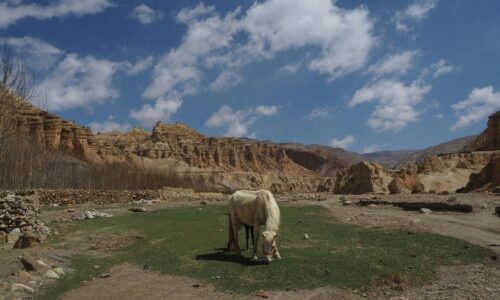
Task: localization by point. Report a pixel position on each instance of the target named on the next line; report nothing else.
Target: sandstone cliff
(489, 139)
(488, 178)
(227, 162)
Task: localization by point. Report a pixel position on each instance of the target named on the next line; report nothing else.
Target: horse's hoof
(255, 257)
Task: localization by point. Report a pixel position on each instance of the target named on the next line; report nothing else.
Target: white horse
(254, 208)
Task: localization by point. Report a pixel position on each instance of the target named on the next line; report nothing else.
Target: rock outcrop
(363, 177)
(405, 181)
(489, 139)
(487, 179)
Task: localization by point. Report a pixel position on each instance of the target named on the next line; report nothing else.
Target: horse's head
(269, 244)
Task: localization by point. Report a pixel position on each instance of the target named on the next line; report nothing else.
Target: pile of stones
(19, 213)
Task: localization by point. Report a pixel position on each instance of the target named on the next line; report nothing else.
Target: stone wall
(19, 211)
(104, 197)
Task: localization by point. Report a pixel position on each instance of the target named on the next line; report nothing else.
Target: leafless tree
(16, 88)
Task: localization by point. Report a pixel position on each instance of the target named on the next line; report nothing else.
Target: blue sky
(363, 75)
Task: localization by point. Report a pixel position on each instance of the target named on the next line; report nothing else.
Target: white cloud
(343, 143)
(239, 122)
(372, 148)
(108, 126)
(266, 111)
(396, 64)
(481, 103)
(291, 68)
(139, 66)
(37, 54)
(267, 28)
(415, 13)
(79, 82)
(225, 80)
(317, 113)
(189, 14)
(344, 39)
(395, 103)
(12, 12)
(144, 14)
(439, 116)
(149, 114)
(441, 68)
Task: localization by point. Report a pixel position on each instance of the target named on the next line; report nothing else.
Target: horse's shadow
(224, 256)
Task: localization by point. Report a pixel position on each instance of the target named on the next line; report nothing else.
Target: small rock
(372, 205)
(12, 238)
(71, 210)
(364, 295)
(262, 294)
(30, 263)
(217, 277)
(425, 211)
(452, 199)
(15, 231)
(54, 205)
(484, 206)
(138, 209)
(96, 267)
(306, 236)
(51, 274)
(19, 287)
(196, 285)
(105, 275)
(32, 283)
(59, 271)
(203, 202)
(347, 202)
(28, 240)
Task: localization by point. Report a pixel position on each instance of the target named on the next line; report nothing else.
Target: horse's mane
(272, 212)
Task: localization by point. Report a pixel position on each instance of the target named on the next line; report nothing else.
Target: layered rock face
(363, 177)
(488, 178)
(55, 133)
(489, 139)
(178, 148)
(444, 173)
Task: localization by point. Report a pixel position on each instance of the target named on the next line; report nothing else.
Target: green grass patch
(187, 242)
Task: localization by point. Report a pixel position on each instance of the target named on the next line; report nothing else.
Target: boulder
(404, 181)
(363, 177)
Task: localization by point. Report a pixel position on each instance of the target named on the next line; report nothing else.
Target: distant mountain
(342, 154)
(388, 159)
(448, 147)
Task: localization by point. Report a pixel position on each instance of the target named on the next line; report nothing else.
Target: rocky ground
(479, 227)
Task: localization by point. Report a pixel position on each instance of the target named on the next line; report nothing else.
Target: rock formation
(489, 139)
(487, 179)
(175, 147)
(363, 177)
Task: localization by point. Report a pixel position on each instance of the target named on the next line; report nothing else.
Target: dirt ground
(480, 227)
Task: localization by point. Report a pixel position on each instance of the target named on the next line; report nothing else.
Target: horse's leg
(247, 229)
(230, 244)
(276, 252)
(253, 236)
(236, 227)
(256, 234)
